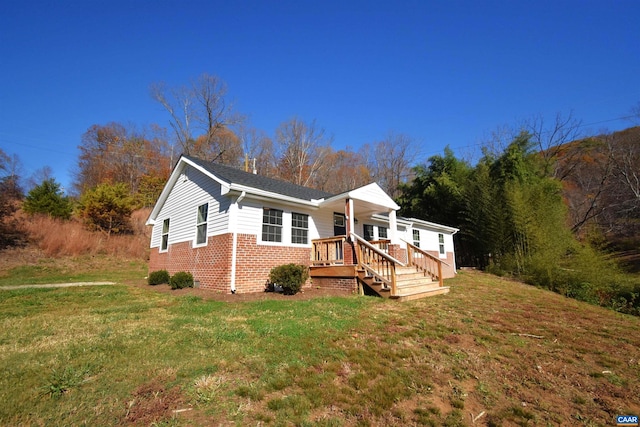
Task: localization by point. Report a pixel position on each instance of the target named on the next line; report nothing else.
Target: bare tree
(554, 140)
(39, 176)
(11, 171)
(390, 161)
(301, 150)
(626, 154)
(201, 108)
(258, 151)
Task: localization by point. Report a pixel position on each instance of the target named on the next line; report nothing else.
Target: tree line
(551, 213)
(541, 203)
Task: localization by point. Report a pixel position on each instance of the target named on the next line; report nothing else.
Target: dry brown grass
(57, 238)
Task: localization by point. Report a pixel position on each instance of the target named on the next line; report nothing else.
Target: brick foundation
(211, 264)
(398, 253)
(349, 284)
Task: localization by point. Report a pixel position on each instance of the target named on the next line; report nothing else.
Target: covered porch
(390, 267)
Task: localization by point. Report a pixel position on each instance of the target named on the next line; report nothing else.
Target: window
(271, 225)
(382, 233)
(201, 224)
(441, 241)
(416, 238)
(165, 235)
(368, 232)
(299, 228)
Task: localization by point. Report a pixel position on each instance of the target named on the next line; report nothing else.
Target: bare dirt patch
(152, 402)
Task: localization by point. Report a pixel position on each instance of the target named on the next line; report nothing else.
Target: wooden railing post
(428, 263)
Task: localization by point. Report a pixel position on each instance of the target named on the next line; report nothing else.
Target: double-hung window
(416, 238)
(271, 225)
(165, 235)
(201, 224)
(368, 232)
(299, 228)
(382, 233)
(441, 243)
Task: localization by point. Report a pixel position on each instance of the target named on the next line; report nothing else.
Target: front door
(339, 224)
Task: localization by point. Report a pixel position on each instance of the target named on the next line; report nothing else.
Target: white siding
(191, 190)
(429, 240)
(250, 221)
(324, 223)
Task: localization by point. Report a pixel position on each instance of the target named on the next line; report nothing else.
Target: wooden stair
(410, 284)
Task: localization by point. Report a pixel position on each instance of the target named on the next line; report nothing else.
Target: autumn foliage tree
(113, 153)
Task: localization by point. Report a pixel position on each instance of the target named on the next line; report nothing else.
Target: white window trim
(282, 228)
(442, 253)
(286, 232)
(162, 234)
(299, 228)
(206, 234)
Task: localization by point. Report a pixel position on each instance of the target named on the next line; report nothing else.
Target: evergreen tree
(48, 198)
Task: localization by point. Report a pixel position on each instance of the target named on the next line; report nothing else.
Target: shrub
(290, 276)
(158, 277)
(107, 208)
(181, 279)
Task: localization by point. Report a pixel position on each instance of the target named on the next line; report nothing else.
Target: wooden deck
(373, 267)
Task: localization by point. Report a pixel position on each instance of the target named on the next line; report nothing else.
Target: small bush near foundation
(290, 276)
(181, 279)
(158, 277)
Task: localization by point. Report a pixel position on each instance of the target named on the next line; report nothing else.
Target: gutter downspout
(234, 245)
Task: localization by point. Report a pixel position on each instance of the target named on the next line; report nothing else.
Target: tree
(555, 140)
(39, 176)
(113, 153)
(10, 194)
(48, 199)
(436, 192)
(107, 208)
(390, 161)
(301, 150)
(343, 170)
(258, 151)
(10, 167)
(199, 106)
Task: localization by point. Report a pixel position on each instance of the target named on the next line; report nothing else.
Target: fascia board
(427, 224)
(257, 194)
(433, 225)
(177, 170)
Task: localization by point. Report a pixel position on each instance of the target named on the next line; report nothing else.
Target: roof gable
(240, 181)
(371, 194)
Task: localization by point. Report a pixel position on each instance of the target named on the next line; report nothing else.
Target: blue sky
(442, 72)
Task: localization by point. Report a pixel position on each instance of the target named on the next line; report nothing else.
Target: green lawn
(78, 269)
(494, 350)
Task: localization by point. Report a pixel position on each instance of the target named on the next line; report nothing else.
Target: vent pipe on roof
(255, 171)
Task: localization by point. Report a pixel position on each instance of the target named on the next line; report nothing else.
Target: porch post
(350, 217)
(393, 228)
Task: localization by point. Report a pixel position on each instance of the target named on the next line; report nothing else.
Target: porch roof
(369, 199)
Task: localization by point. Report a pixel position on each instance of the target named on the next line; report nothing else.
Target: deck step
(429, 293)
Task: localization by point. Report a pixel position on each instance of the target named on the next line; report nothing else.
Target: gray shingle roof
(237, 176)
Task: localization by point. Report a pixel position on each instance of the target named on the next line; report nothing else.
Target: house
(229, 227)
